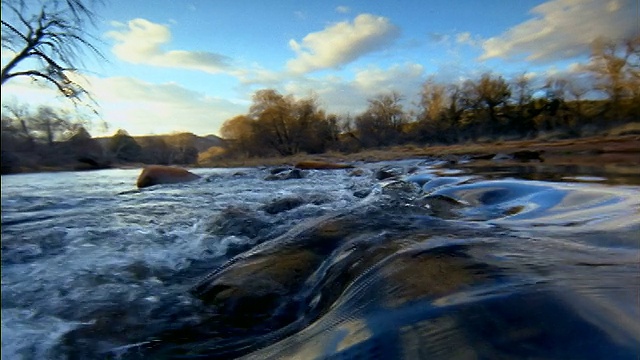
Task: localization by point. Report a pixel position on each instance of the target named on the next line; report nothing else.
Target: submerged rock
(522, 155)
(286, 175)
(357, 172)
(489, 156)
(362, 193)
(282, 205)
(160, 174)
(402, 274)
(528, 155)
(321, 165)
(279, 169)
(389, 172)
(238, 222)
(267, 287)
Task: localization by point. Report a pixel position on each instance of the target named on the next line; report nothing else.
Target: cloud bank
(562, 29)
(140, 42)
(137, 106)
(341, 43)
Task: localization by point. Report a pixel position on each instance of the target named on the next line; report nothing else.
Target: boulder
(528, 155)
(389, 172)
(357, 172)
(281, 205)
(321, 165)
(235, 221)
(286, 175)
(160, 174)
(278, 170)
(483, 157)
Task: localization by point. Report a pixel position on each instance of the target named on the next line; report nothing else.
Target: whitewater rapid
(92, 267)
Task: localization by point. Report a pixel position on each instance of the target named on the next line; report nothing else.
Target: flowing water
(432, 262)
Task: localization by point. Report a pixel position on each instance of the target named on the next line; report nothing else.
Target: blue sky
(190, 65)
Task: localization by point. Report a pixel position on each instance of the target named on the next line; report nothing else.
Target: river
(419, 260)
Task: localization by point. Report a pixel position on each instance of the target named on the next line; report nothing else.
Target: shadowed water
(431, 263)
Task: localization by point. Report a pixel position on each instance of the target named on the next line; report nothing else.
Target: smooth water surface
(432, 263)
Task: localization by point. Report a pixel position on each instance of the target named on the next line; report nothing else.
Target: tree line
(46, 137)
(46, 42)
(489, 107)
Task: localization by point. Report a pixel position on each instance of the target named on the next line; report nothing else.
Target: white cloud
(342, 9)
(139, 107)
(341, 43)
(463, 37)
(564, 28)
(258, 75)
(400, 78)
(141, 41)
(466, 38)
(341, 96)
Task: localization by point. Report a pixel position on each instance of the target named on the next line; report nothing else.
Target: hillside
(201, 143)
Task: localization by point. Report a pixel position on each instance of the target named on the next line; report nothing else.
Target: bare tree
(50, 125)
(484, 100)
(272, 120)
(45, 125)
(522, 91)
(48, 42)
(15, 118)
(433, 100)
(576, 90)
(617, 69)
(381, 124)
(491, 92)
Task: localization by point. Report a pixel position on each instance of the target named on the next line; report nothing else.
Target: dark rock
(528, 155)
(93, 163)
(278, 170)
(501, 157)
(362, 193)
(160, 174)
(420, 179)
(286, 175)
(483, 157)
(237, 222)
(388, 172)
(401, 191)
(321, 165)
(450, 159)
(442, 206)
(282, 205)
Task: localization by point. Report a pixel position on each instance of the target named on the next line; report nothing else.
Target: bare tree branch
(54, 36)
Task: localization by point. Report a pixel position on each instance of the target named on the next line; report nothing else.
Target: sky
(175, 66)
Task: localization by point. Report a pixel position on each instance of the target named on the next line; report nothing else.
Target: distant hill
(202, 143)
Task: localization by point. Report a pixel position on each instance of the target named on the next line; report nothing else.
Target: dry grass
(610, 145)
(626, 129)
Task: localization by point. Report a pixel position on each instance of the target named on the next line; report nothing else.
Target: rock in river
(159, 174)
(321, 165)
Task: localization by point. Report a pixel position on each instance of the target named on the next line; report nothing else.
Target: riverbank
(596, 150)
(610, 149)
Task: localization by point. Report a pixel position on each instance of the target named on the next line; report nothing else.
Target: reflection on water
(513, 261)
(613, 174)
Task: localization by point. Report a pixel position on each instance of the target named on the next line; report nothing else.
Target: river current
(409, 259)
